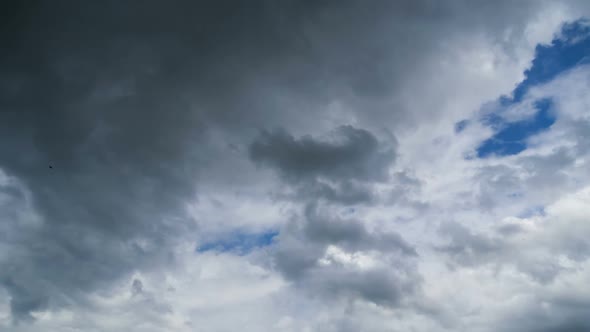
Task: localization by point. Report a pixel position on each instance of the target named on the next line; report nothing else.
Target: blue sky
(510, 137)
(240, 243)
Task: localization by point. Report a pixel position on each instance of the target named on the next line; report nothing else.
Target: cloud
(340, 167)
(351, 154)
(332, 256)
(306, 247)
(134, 134)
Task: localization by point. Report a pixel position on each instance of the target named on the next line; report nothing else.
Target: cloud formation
(338, 168)
(415, 183)
(353, 155)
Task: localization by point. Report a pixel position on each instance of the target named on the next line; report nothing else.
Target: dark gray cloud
(102, 139)
(566, 327)
(351, 234)
(339, 167)
(549, 314)
(24, 301)
(350, 153)
(304, 243)
(347, 192)
(385, 287)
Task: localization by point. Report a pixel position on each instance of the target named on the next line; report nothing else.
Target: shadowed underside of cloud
(348, 154)
(330, 256)
(319, 251)
(340, 167)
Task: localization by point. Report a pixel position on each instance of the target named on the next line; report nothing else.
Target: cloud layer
(294, 166)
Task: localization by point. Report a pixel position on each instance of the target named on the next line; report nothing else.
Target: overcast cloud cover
(295, 166)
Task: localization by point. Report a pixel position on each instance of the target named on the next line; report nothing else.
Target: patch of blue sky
(569, 49)
(239, 243)
(511, 138)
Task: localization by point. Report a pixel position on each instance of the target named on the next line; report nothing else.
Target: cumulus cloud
(324, 253)
(339, 168)
(354, 154)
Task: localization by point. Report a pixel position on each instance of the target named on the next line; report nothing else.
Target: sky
(295, 166)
